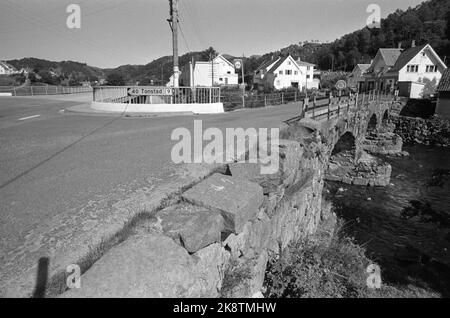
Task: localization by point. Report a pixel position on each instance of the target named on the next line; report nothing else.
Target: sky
(119, 32)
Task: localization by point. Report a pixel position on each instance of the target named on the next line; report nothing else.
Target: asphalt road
(55, 163)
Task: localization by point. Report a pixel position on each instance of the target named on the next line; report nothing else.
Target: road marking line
(25, 118)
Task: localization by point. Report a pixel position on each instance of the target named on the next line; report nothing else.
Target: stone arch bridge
(354, 130)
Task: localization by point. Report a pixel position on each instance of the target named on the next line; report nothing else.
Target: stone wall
(217, 238)
(434, 131)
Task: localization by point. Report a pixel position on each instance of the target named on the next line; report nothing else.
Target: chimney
(413, 44)
(399, 45)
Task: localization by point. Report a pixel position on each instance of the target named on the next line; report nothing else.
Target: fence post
(295, 94)
(314, 106)
(31, 87)
(282, 98)
(265, 100)
(15, 93)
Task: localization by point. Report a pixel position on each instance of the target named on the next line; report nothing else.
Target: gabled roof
(266, 64)
(302, 63)
(390, 56)
(444, 84)
(220, 56)
(223, 58)
(407, 56)
(363, 67)
(277, 64)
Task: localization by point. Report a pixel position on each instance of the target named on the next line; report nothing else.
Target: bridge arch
(385, 119)
(347, 142)
(373, 123)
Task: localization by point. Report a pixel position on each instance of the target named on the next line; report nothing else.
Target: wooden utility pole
(173, 21)
(243, 81)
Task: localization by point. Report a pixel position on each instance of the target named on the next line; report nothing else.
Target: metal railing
(156, 95)
(44, 90)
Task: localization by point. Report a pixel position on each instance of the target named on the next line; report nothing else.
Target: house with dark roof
(409, 72)
(284, 72)
(443, 90)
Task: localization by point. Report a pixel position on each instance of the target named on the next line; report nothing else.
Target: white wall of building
(422, 61)
(289, 73)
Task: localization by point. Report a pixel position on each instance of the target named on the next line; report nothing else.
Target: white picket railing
(156, 95)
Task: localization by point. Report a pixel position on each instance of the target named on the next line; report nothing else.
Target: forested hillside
(429, 22)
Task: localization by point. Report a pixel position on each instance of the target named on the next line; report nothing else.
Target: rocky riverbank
(434, 131)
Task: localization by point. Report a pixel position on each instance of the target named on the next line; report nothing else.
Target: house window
(412, 68)
(278, 83)
(431, 68)
(280, 72)
(228, 72)
(295, 72)
(308, 68)
(289, 63)
(288, 72)
(308, 76)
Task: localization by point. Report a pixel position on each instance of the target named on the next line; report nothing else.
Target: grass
(57, 283)
(329, 266)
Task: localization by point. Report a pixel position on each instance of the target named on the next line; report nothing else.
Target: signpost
(149, 91)
(341, 85)
(239, 65)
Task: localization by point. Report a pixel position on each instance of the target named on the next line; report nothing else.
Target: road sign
(341, 85)
(147, 91)
(238, 64)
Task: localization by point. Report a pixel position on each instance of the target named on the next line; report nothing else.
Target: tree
(448, 26)
(209, 54)
(115, 79)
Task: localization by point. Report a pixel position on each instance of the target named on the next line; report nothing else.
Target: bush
(331, 267)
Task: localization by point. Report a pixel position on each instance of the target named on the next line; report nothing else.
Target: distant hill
(428, 22)
(65, 72)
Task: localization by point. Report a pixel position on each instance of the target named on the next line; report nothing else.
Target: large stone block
(191, 227)
(291, 152)
(271, 183)
(144, 266)
(253, 240)
(237, 199)
(210, 267)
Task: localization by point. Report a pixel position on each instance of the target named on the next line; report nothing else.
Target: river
(405, 227)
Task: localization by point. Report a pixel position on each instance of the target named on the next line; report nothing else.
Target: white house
(409, 71)
(284, 72)
(218, 72)
(308, 69)
(7, 69)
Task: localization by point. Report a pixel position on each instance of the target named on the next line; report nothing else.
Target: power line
(56, 23)
(184, 38)
(24, 14)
